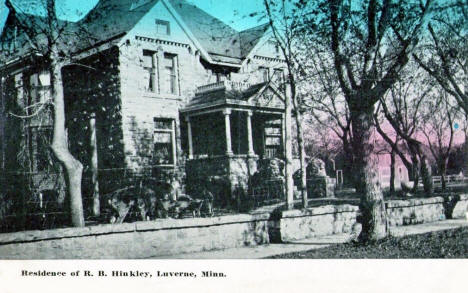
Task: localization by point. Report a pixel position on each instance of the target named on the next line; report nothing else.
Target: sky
(233, 12)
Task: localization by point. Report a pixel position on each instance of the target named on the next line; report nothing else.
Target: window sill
(165, 166)
(153, 95)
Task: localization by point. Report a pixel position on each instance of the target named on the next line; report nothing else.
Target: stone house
(169, 88)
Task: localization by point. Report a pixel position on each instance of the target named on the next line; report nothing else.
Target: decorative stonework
(318, 183)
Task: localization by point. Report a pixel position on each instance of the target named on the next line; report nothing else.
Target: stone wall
(225, 174)
(418, 211)
(460, 210)
(317, 221)
(334, 219)
(137, 240)
(415, 211)
(175, 236)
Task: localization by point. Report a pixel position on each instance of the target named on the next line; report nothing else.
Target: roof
(15, 41)
(250, 38)
(112, 19)
(236, 94)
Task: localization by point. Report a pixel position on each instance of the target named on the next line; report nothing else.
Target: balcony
(225, 85)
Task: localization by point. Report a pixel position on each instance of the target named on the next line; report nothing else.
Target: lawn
(444, 244)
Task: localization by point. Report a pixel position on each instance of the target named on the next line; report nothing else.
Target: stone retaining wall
(334, 219)
(418, 211)
(415, 211)
(318, 221)
(175, 236)
(137, 240)
(460, 210)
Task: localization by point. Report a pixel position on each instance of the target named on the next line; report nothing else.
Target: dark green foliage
(93, 86)
(445, 244)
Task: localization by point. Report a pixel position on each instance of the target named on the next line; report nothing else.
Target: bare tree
(444, 55)
(46, 42)
(438, 130)
(402, 109)
(326, 103)
(283, 28)
(371, 42)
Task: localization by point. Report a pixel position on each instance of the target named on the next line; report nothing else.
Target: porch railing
(225, 84)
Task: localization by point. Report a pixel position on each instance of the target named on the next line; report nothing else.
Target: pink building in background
(401, 172)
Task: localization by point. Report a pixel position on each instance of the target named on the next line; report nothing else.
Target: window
(273, 137)
(170, 68)
(164, 141)
(278, 76)
(264, 73)
(149, 64)
(40, 86)
(162, 27)
(274, 44)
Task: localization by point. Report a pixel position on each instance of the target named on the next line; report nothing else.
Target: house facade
(158, 87)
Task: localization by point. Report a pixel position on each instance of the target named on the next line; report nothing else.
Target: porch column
(249, 133)
(189, 132)
(227, 122)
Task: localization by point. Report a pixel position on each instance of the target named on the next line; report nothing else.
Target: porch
(229, 127)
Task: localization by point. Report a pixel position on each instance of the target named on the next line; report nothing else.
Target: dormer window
(163, 27)
(264, 74)
(275, 45)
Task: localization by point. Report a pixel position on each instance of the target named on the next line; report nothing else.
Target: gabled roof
(216, 37)
(226, 93)
(19, 26)
(250, 38)
(222, 42)
(112, 19)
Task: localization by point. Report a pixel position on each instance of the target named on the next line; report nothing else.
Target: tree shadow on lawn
(442, 244)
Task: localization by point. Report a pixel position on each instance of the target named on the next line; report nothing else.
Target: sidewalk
(311, 243)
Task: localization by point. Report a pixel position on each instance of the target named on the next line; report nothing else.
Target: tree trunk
(349, 166)
(73, 168)
(426, 174)
(302, 154)
(392, 172)
(2, 124)
(288, 152)
(372, 206)
(465, 147)
(416, 172)
(94, 166)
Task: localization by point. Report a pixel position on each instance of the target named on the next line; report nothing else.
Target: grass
(444, 244)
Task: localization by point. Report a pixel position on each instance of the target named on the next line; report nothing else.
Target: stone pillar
(249, 133)
(189, 132)
(227, 122)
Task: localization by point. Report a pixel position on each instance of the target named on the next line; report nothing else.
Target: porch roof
(262, 97)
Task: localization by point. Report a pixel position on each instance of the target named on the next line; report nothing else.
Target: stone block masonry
(418, 211)
(176, 236)
(138, 240)
(317, 221)
(335, 219)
